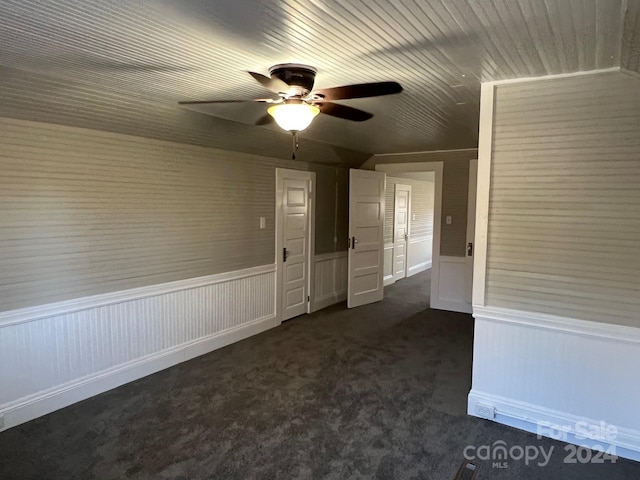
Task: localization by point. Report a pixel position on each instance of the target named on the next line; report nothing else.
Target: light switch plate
(448, 219)
(263, 223)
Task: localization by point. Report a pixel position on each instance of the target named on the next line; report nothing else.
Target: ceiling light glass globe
(293, 117)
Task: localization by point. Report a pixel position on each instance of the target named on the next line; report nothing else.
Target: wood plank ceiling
(123, 66)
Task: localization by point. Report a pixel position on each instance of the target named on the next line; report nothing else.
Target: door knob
(469, 249)
(285, 254)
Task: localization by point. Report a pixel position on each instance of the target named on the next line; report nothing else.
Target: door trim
(471, 224)
(437, 168)
(281, 175)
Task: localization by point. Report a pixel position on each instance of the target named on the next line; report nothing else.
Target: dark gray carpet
(375, 392)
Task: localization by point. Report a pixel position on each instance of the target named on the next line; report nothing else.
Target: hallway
(374, 392)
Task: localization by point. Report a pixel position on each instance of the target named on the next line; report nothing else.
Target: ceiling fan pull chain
(294, 134)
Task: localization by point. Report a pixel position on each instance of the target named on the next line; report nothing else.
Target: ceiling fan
(297, 103)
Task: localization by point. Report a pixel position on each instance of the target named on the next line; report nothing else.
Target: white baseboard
(450, 306)
(419, 254)
(325, 302)
(65, 395)
(76, 349)
(421, 267)
(387, 267)
(554, 424)
(534, 367)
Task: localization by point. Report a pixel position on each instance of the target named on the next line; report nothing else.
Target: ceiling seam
(623, 17)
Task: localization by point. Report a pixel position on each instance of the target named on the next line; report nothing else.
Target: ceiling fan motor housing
(299, 77)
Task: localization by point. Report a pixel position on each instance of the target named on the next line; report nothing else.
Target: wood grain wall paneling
(85, 212)
(421, 206)
(563, 214)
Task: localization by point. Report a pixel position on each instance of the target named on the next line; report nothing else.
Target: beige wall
(85, 212)
(564, 213)
(332, 209)
(455, 187)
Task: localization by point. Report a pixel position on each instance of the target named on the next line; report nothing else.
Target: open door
(366, 237)
(401, 225)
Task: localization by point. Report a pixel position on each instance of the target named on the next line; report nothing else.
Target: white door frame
(406, 188)
(471, 226)
(281, 174)
(436, 167)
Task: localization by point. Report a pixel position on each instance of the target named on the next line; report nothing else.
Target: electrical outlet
(485, 411)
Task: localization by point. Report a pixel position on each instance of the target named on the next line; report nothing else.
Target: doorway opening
(451, 277)
(409, 224)
(427, 231)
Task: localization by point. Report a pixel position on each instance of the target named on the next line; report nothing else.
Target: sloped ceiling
(631, 37)
(123, 66)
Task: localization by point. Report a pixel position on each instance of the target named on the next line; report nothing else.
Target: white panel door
(366, 236)
(401, 230)
(295, 242)
(471, 229)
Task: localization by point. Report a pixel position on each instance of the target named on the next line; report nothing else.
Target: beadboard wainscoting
(516, 374)
(388, 277)
(54, 355)
(330, 280)
(453, 289)
(419, 254)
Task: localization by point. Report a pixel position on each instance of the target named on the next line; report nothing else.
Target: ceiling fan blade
(361, 90)
(274, 84)
(200, 102)
(266, 119)
(342, 111)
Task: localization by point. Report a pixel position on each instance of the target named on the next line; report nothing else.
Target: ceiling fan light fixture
(293, 117)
